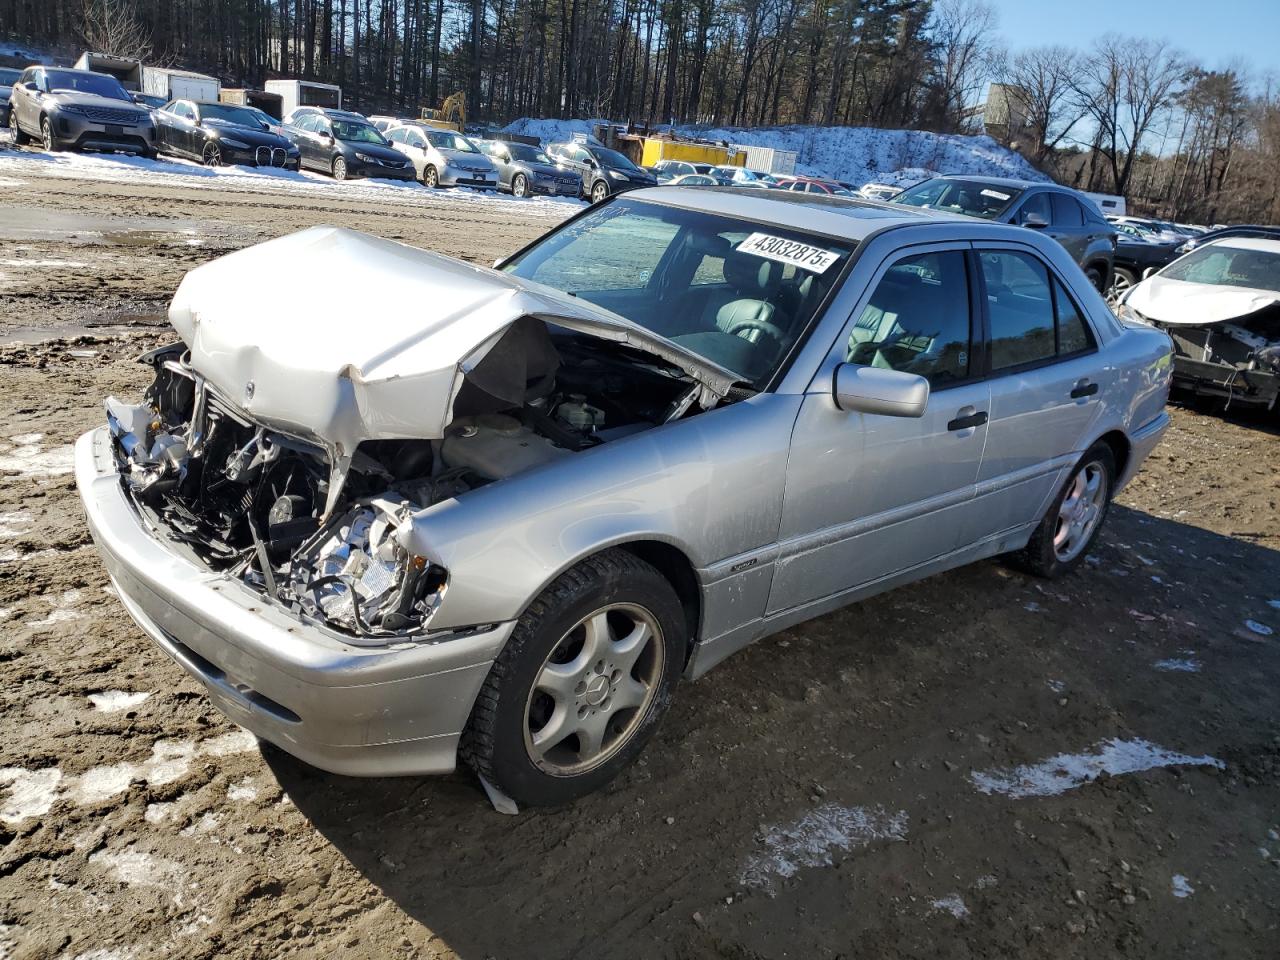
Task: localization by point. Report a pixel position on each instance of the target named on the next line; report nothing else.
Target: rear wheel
(1096, 277)
(1074, 519)
(581, 684)
(430, 177)
(520, 185)
(339, 168)
(19, 137)
(599, 190)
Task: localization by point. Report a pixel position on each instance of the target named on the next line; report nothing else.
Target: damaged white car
(501, 521)
(1221, 305)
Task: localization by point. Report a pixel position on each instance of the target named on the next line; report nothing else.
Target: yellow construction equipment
(452, 114)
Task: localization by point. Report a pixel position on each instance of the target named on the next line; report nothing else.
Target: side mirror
(888, 393)
(1034, 220)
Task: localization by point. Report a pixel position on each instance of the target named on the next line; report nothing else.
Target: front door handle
(969, 420)
(1084, 389)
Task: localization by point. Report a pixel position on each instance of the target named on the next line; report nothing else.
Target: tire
(552, 667)
(19, 138)
(1044, 555)
(339, 169)
(1121, 281)
(430, 178)
(46, 135)
(519, 185)
(1097, 278)
(599, 191)
(211, 155)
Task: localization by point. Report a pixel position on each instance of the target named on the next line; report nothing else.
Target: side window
(1038, 204)
(416, 139)
(397, 135)
(917, 320)
(1066, 212)
(1033, 319)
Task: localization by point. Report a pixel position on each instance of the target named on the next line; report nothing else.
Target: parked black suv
(1067, 215)
(345, 144)
(604, 171)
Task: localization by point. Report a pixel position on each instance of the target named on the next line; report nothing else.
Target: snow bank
(856, 155)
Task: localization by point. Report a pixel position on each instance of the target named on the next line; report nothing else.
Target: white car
(1221, 306)
(878, 191)
(443, 158)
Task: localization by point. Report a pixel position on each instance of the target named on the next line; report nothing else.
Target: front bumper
(1254, 387)
(566, 188)
(277, 157)
(453, 177)
(362, 168)
(349, 709)
(82, 133)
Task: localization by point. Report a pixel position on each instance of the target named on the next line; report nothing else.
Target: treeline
(892, 63)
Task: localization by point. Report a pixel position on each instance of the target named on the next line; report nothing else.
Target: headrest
(751, 274)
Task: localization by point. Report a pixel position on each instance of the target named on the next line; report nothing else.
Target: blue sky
(1213, 32)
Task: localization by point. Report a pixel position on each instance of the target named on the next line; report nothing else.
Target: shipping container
(657, 149)
(128, 70)
(768, 159)
(268, 103)
(179, 84)
(305, 93)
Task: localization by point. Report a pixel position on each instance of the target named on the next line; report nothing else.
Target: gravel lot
(981, 765)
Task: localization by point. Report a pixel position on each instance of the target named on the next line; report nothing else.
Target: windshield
(612, 158)
(1228, 267)
(740, 294)
(97, 83)
(9, 77)
(444, 140)
(961, 196)
(262, 116)
(229, 114)
(351, 131)
(522, 151)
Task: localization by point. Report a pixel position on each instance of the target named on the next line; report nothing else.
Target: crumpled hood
(1180, 302)
(340, 337)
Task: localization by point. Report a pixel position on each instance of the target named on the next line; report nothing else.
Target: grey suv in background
(8, 77)
(79, 109)
(1064, 214)
(604, 172)
(524, 170)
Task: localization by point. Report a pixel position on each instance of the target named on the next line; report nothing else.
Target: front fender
(710, 485)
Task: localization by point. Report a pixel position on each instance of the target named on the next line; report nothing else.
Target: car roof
(849, 218)
(1264, 244)
(1013, 182)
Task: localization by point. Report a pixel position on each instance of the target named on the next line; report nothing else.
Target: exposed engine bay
(1239, 360)
(322, 533)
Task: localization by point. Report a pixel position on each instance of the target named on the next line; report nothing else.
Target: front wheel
(431, 178)
(599, 190)
(1096, 278)
(1122, 280)
(211, 156)
(46, 134)
(1074, 519)
(520, 186)
(582, 683)
(339, 168)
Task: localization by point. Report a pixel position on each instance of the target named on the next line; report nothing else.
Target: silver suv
(81, 110)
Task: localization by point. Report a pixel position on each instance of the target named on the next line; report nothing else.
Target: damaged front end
(251, 503)
(1239, 361)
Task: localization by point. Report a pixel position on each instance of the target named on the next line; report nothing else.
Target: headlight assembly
(617, 176)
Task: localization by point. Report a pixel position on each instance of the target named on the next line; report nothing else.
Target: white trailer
(127, 70)
(1110, 204)
(305, 93)
(179, 84)
(768, 159)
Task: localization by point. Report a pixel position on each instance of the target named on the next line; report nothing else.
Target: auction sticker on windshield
(813, 259)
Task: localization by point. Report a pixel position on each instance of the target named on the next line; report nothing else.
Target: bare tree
(967, 56)
(114, 27)
(1042, 81)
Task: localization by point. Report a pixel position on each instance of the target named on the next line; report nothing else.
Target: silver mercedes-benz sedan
(503, 519)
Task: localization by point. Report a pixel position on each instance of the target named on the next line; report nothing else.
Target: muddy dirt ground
(913, 777)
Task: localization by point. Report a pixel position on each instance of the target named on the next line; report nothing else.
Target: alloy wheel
(212, 155)
(431, 178)
(520, 186)
(46, 134)
(1080, 511)
(599, 192)
(339, 169)
(594, 689)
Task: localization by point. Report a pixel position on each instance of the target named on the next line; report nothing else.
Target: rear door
(869, 496)
(1045, 382)
(1068, 225)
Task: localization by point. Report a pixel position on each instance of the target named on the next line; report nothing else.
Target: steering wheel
(763, 326)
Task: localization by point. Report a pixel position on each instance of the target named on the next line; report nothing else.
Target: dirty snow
(857, 155)
(27, 457)
(1178, 665)
(952, 904)
(113, 701)
(811, 841)
(63, 608)
(1066, 771)
(1181, 886)
(32, 792)
(244, 791)
(1261, 629)
(136, 868)
(14, 524)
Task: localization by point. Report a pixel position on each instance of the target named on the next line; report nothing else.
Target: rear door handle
(972, 420)
(1084, 389)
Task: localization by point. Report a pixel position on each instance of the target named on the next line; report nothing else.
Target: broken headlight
(357, 576)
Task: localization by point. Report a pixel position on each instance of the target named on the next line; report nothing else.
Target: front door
(869, 496)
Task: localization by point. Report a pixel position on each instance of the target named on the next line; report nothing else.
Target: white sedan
(1221, 305)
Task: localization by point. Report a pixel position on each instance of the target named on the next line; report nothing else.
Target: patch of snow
(1032, 607)
(14, 524)
(1181, 886)
(1274, 604)
(63, 609)
(244, 791)
(1057, 686)
(984, 882)
(1261, 629)
(952, 904)
(108, 953)
(811, 840)
(31, 792)
(1066, 771)
(134, 868)
(28, 458)
(5, 613)
(75, 264)
(113, 701)
(1178, 665)
(160, 811)
(207, 823)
